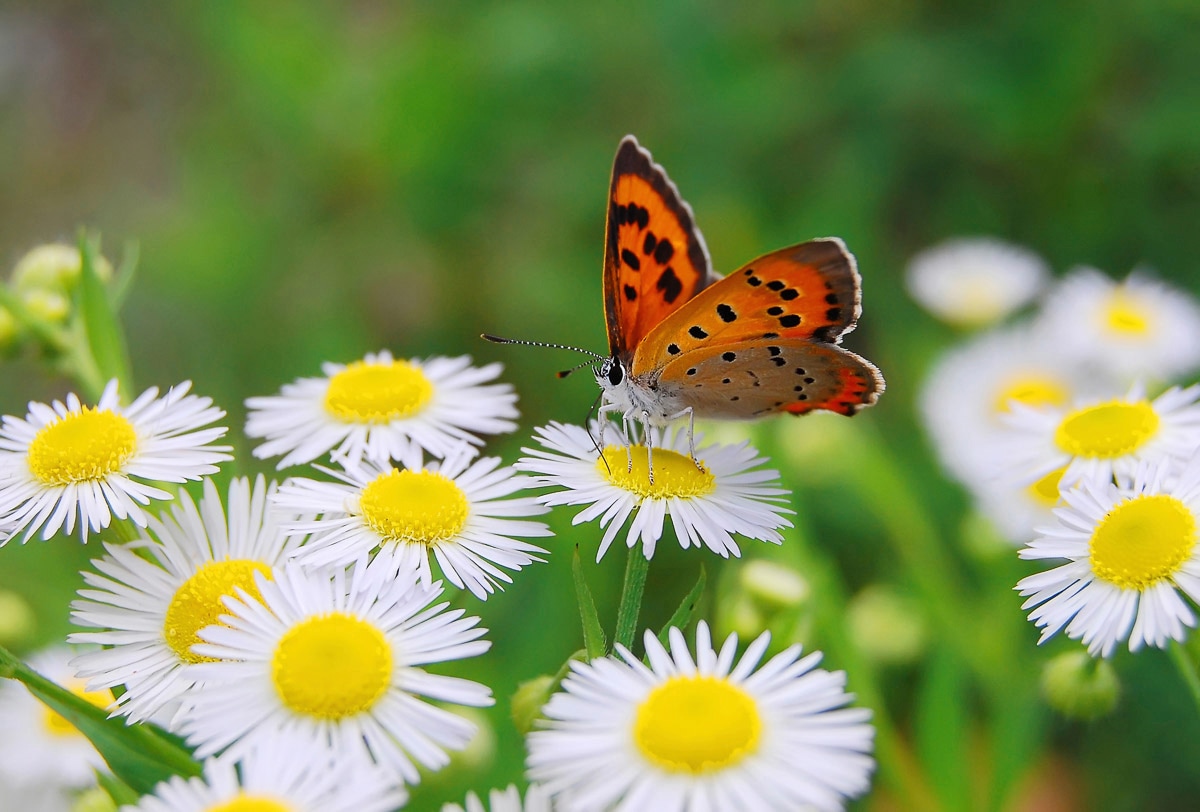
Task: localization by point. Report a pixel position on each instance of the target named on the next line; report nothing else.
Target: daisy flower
(455, 512)
(507, 800)
(1132, 329)
(1101, 438)
(1132, 558)
(282, 779)
(969, 391)
(67, 461)
(976, 280)
(702, 732)
(150, 598)
(378, 408)
(39, 748)
(333, 661)
(729, 494)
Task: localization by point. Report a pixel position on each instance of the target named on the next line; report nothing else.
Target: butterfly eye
(615, 373)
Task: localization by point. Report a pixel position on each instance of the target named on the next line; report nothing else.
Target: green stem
(1185, 662)
(636, 567)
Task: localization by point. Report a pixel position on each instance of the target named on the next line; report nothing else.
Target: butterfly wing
(654, 257)
(806, 291)
(766, 376)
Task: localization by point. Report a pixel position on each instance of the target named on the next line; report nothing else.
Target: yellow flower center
(1126, 316)
(56, 725)
(332, 666)
(252, 803)
(1045, 490)
(1107, 430)
(84, 446)
(674, 474)
(420, 507)
(1033, 391)
(1143, 541)
(197, 602)
(377, 393)
(697, 725)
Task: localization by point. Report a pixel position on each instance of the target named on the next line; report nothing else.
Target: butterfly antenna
(502, 340)
(587, 425)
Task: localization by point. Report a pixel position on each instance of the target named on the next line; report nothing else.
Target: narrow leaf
(682, 616)
(941, 728)
(593, 633)
(101, 329)
(123, 280)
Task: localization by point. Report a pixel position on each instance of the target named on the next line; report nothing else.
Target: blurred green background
(310, 182)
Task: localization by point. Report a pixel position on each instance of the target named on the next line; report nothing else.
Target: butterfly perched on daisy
(685, 342)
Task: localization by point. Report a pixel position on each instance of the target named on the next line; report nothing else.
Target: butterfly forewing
(754, 378)
(806, 291)
(654, 258)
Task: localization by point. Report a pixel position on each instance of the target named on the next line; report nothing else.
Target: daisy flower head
(39, 748)
(333, 660)
(726, 494)
(456, 511)
(974, 281)
(1101, 438)
(66, 462)
(506, 800)
(1133, 563)
(283, 780)
(702, 732)
(970, 390)
(149, 599)
(379, 407)
(1137, 328)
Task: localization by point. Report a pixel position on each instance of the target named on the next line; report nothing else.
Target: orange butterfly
(684, 342)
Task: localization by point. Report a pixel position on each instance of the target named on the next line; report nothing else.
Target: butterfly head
(610, 374)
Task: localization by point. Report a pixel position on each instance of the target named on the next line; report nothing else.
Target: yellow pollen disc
(56, 725)
(252, 803)
(1143, 541)
(1045, 490)
(332, 666)
(83, 446)
(674, 474)
(1107, 430)
(1031, 391)
(197, 602)
(420, 507)
(697, 725)
(377, 393)
(1124, 315)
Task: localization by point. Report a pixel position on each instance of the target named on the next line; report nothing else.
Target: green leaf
(123, 281)
(139, 755)
(593, 633)
(120, 792)
(101, 329)
(682, 616)
(941, 728)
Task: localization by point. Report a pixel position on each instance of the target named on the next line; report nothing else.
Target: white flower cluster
(1077, 428)
(291, 633)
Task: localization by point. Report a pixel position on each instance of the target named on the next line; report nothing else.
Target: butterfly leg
(690, 413)
(648, 439)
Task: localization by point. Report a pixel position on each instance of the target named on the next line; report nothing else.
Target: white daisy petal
(1131, 551)
(506, 800)
(149, 598)
(975, 280)
(705, 507)
(380, 409)
(330, 661)
(67, 463)
(455, 510)
(287, 778)
(694, 733)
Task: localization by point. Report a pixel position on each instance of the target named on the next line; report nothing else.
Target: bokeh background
(309, 182)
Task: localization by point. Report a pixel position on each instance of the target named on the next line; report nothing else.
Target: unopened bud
(55, 266)
(887, 625)
(1080, 686)
(527, 702)
(46, 304)
(17, 620)
(774, 585)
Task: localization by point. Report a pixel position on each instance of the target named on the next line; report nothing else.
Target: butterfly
(686, 342)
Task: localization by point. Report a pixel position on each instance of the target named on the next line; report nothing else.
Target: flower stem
(1185, 662)
(636, 567)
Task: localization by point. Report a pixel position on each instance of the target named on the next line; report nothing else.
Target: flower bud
(17, 620)
(887, 625)
(527, 702)
(46, 304)
(1079, 686)
(55, 266)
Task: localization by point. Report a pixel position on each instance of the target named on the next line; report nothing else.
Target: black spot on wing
(833, 313)
(697, 332)
(670, 285)
(664, 252)
(673, 349)
(729, 356)
(789, 294)
(630, 259)
(649, 243)
(790, 320)
(775, 284)
(726, 313)
(630, 292)
(775, 311)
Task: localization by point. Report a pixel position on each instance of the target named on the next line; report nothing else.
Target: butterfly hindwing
(654, 257)
(767, 376)
(807, 291)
